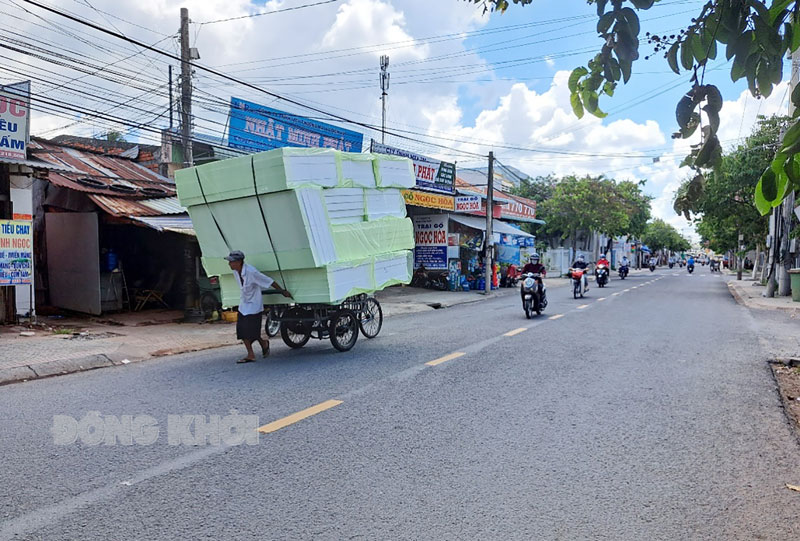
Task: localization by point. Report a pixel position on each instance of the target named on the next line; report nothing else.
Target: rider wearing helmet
(535, 267)
(580, 263)
(604, 261)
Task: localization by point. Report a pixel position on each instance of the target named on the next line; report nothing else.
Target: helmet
(534, 257)
(581, 258)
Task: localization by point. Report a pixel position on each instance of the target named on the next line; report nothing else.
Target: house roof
(93, 173)
(127, 207)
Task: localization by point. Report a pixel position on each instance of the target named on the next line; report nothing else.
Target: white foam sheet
(345, 205)
(383, 203)
(393, 268)
(394, 172)
(357, 170)
(319, 168)
(346, 280)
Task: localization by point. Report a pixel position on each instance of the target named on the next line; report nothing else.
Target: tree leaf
(683, 112)
(577, 106)
(672, 58)
(687, 58)
(792, 136)
(632, 19)
(625, 66)
(764, 78)
(698, 50)
(776, 8)
(643, 4)
(574, 77)
(606, 21)
(601, 7)
(769, 185)
(608, 88)
(762, 205)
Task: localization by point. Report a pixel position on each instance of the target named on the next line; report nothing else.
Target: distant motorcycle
(671, 264)
(623, 271)
(601, 272)
(714, 266)
(577, 282)
(690, 268)
(652, 266)
(534, 294)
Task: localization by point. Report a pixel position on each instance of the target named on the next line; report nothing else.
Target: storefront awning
(498, 226)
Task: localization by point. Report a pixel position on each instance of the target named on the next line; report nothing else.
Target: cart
(341, 323)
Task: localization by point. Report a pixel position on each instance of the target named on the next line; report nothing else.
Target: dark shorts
(248, 327)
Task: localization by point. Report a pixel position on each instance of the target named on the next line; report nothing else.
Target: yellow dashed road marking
(582, 306)
(446, 358)
(557, 316)
(516, 331)
(601, 299)
(299, 416)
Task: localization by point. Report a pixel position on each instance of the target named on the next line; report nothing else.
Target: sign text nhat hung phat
(16, 252)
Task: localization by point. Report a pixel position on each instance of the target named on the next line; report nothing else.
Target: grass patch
(63, 331)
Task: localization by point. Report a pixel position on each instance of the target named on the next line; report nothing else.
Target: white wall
(21, 197)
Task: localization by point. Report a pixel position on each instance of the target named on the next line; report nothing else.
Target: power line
(252, 15)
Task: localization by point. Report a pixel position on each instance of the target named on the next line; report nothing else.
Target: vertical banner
(430, 236)
(16, 252)
(14, 120)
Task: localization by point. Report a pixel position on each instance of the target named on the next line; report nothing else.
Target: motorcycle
(652, 266)
(714, 266)
(577, 282)
(623, 272)
(671, 264)
(601, 272)
(534, 294)
(690, 268)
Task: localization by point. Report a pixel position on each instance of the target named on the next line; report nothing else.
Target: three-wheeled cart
(298, 323)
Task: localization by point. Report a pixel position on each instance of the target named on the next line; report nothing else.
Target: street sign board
(16, 252)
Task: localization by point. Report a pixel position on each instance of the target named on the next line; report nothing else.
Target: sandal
(245, 360)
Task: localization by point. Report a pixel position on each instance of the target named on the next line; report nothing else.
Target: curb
(54, 368)
(753, 306)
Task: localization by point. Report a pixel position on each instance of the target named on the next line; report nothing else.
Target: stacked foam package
(324, 224)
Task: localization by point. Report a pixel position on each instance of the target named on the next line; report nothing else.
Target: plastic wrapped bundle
(393, 171)
(385, 203)
(272, 171)
(357, 171)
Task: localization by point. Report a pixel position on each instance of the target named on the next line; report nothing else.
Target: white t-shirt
(252, 283)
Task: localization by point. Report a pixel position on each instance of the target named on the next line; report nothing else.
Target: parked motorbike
(577, 282)
(623, 271)
(534, 294)
(601, 272)
(429, 279)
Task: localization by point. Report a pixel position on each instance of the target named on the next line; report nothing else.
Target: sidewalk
(751, 294)
(65, 345)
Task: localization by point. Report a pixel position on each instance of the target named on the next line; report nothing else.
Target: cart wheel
(344, 330)
(295, 334)
(272, 327)
(371, 318)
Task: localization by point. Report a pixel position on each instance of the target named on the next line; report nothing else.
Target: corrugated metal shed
(127, 207)
(176, 224)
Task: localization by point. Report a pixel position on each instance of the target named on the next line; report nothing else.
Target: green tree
(594, 204)
(755, 35)
(723, 204)
(659, 234)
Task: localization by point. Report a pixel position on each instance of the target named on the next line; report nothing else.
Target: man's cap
(235, 255)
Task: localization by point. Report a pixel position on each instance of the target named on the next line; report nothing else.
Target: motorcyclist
(690, 263)
(580, 263)
(603, 261)
(533, 265)
(624, 262)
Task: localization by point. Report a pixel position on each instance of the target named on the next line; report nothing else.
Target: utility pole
(488, 243)
(186, 91)
(784, 259)
(170, 97)
(384, 80)
(8, 303)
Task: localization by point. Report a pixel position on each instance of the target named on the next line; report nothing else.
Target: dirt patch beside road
(788, 378)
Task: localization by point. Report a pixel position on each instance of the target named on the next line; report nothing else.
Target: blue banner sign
(256, 127)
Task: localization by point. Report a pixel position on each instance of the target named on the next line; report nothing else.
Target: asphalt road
(645, 411)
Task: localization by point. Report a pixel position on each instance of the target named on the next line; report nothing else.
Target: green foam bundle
(328, 224)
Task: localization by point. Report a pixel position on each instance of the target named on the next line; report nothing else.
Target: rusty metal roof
(107, 175)
(130, 208)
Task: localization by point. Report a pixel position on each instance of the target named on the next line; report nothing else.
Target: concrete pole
(186, 91)
(489, 244)
(784, 259)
